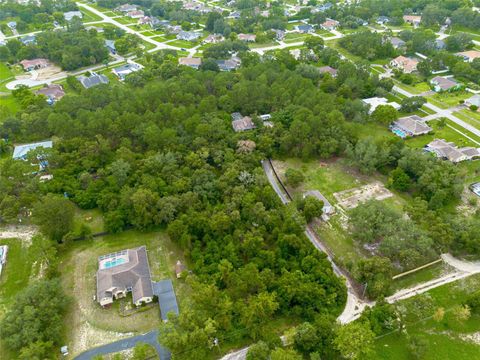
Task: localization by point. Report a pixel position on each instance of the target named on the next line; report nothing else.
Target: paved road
(442, 112)
(149, 338)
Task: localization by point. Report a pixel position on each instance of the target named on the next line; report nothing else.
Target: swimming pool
(399, 133)
(113, 262)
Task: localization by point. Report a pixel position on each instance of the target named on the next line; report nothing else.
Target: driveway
(148, 338)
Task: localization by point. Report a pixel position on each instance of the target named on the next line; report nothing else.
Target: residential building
(192, 62)
(229, 64)
(136, 14)
(322, 8)
(449, 151)
(441, 84)
(242, 123)
(12, 25)
(440, 44)
(247, 37)
(53, 92)
(20, 151)
(405, 64)
(144, 20)
(93, 80)
(122, 71)
(397, 43)
(475, 188)
(235, 15)
(34, 64)
(29, 39)
(328, 69)
(167, 301)
(173, 29)
(68, 16)
(279, 34)
(126, 8)
(382, 20)
(110, 45)
(123, 272)
(374, 102)
(156, 23)
(410, 126)
(469, 55)
(189, 35)
(214, 38)
(412, 19)
(474, 100)
(304, 28)
(330, 24)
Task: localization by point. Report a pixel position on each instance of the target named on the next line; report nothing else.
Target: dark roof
(93, 80)
(166, 297)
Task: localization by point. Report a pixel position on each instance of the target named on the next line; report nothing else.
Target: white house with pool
(122, 272)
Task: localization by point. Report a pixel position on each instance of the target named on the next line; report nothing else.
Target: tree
(311, 207)
(36, 319)
(385, 114)
(258, 351)
(294, 177)
(314, 43)
(281, 354)
(143, 351)
(355, 340)
(439, 314)
(417, 346)
(376, 273)
(306, 339)
(413, 103)
(54, 215)
(399, 180)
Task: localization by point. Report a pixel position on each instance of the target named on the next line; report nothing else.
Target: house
(20, 151)
(29, 39)
(440, 44)
(93, 80)
(322, 8)
(279, 34)
(229, 64)
(473, 101)
(407, 65)
(397, 43)
(410, 126)
(235, 15)
(412, 19)
(126, 8)
(144, 20)
(304, 28)
(469, 55)
(110, 45)
(122, 71)
(214, 38)
(193, 62)
(53, 92)
(189, 35)
(69, 15)
(374, 102)
(12, 25)
(96, 28)
(327, 209)
(242, 123)
(3, 256)
(328, 69)
(136, 14)
(179, 269)
(247, 37)
(329, 24)
(440, 84)
(173, 29)
(156, 23)
(167, 301)
(382, 20)
(122, 272)
(34, 64)
(448, 151)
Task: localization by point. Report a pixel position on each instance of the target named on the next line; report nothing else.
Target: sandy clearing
(24, 233)
(351, 198)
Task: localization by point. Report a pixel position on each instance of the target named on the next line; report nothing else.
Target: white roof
(374, 102)
(21, 151)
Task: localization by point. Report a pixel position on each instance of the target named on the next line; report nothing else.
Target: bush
(294, 177)
(473, 107)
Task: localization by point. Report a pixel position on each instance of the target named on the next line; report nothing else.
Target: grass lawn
(417, 88)
(89, 16)
(447, 133)
(423, 275)
(258, 45)
(334, 45)
(148, 33)
(159, 38)
(444, 338)
(295, 37)
(147, 45)
(10, 103)
(470, 117)
(88, 323)
(447, 100)
(92, 218)
(291, 26)
(125, 20)
(183, 44)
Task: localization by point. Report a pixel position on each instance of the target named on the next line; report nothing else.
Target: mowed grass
(10, 103)
(89, 16)
(183, 44)
(447, 100)
(420, 276)
(444, 339)
(470, 117)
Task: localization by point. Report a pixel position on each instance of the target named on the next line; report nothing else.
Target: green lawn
(183, 44)
(148, 33)
(10, 103)
(443, 338)
(91, 218)
(470, 117)
(262, 45)
(295, 37)
(447, 133)
(125, 20)
(159, 38)
(447, 100)
(89, 16)
(423, 275)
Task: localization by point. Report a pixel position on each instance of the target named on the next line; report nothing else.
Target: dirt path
(24, 233)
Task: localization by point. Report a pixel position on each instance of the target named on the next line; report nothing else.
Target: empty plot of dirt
(349, 199)
(48, 72)
(24, 233)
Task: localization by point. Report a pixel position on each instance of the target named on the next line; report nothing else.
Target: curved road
(148, 338)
